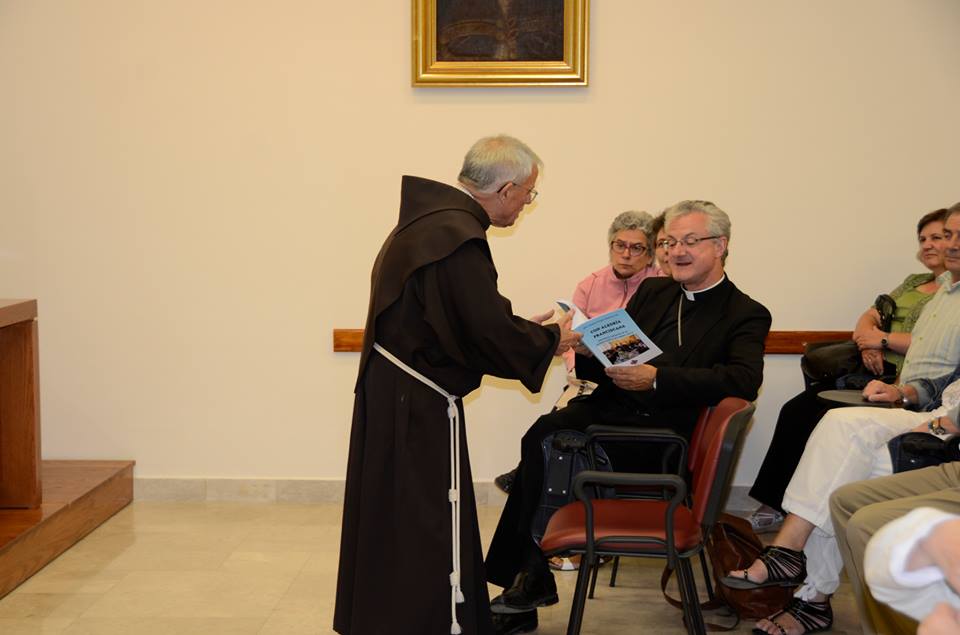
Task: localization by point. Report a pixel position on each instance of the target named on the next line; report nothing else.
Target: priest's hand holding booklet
(613, 338)
(619, 344)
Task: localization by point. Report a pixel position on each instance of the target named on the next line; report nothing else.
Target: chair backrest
(696, 448)
(714, 450)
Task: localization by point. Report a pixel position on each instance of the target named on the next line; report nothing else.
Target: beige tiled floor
(237, 568)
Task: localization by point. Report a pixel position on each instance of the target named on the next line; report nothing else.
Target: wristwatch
(884, 343)
(902, 400)
(935, 427)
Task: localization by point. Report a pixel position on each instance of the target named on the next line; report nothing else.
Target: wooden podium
(76, 497)
(19, 405)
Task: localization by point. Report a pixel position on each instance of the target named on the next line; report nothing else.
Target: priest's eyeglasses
(689, 241)
(531, 193)
(635, 249)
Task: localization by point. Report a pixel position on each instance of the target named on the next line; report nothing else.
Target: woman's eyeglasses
(635, 249)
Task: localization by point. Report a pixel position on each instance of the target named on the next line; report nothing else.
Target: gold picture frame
(492, 45)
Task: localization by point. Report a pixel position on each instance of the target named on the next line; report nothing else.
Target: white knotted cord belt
(453, 494)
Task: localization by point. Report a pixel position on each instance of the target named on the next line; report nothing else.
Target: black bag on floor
(564, 456)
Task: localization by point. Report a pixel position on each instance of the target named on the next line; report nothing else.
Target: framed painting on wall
(500, 42)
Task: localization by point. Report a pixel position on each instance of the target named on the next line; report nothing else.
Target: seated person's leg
(798, 417)
(823, 564)
(784, 564)
(512, 548)
(842, 449)
(844, 502)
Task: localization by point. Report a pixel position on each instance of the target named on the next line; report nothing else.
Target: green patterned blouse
(910, 302)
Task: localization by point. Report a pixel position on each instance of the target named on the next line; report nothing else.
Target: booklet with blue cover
(616, 340)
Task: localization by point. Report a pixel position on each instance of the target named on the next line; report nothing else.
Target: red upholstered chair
(674, 529)
(676, 456)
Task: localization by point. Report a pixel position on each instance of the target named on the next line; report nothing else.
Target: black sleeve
(590, 369)
(476, 324)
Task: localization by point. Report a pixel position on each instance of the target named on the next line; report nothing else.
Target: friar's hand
(540, 318)
(568, 338)
(638, 377)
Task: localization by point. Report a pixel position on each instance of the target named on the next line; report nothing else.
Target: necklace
(679, 318)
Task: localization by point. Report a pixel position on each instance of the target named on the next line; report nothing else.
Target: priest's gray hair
(640, 221)
(493, 161)
(718, 223)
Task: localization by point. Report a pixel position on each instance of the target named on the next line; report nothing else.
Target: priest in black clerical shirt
(712, 336)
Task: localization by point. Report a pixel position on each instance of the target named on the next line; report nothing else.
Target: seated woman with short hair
(631, 256)
(631, 261)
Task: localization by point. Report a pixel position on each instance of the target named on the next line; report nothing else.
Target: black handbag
(827, 361)
(840, 363)
(886, 307)
(565, 455)
(916, 450)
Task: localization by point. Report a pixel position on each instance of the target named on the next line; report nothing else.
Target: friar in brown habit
(410, 556)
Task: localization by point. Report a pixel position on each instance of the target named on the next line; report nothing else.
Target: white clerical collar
(463, 188)
(692, 295)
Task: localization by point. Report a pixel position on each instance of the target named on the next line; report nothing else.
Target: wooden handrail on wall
(778, 342)
(347, 340)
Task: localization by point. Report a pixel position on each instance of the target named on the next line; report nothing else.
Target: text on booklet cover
(616, 340)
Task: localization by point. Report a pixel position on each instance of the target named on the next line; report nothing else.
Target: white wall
(195, 190)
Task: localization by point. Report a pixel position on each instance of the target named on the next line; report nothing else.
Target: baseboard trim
(266, 490)
(243, 490)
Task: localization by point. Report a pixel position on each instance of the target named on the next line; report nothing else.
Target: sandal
(559, 563)
(813, 617)
(785, 567)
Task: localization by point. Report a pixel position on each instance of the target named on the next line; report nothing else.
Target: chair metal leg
(691, 603)
(613, 571)
(579, 597)
(684, 598)
(706, 575)
(594, 572)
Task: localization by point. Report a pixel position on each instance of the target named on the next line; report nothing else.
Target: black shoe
(512, 623)
(529, 591)
(504, 482)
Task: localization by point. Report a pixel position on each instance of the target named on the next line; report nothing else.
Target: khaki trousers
(860, 509)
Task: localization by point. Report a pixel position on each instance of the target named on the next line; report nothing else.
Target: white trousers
(848, 445)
